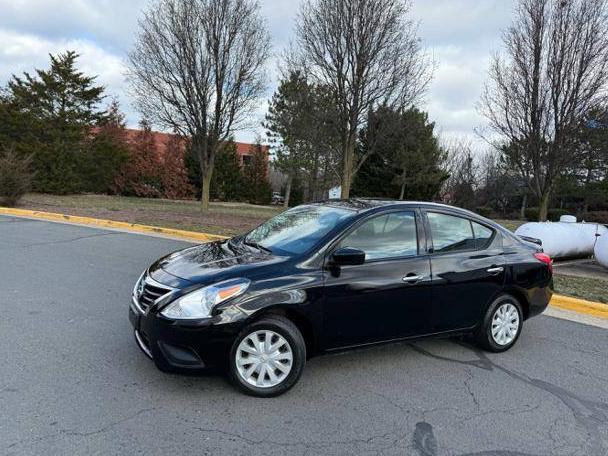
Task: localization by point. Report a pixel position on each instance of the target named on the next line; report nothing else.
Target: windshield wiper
(257, 245)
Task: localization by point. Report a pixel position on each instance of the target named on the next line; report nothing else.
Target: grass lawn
(223, 218)
(581, 287)
(511, 224)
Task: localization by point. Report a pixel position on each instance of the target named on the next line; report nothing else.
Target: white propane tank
(601, 250)
(566, 238)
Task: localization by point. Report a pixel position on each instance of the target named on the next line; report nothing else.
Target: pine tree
(62, 104)
(408, 161)
(227, 180)
(141, 174)
(174, 175)
(104, 153)
(256, 176)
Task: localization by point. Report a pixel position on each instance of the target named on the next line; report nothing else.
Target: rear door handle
(495, 269)
(412, 278)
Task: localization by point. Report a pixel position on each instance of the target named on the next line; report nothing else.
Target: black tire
(483, 333)
(290, 332)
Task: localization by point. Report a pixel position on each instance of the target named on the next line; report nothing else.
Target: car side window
(385, 236)
(450, 233)
(483, 235)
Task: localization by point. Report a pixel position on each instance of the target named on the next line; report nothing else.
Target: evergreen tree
(256, 176)
(141, 174)
(301, 126)
(405, 159)
(174, 175)
(227, 181)
(61, 104)
(104, 152)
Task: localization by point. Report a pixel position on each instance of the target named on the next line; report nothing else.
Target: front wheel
(268, 357)
(501, 325)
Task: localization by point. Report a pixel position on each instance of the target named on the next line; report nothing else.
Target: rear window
(451, 233)
(483, 235)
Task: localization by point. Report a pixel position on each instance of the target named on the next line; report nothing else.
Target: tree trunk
(287, 191)
(402, 193)
(524, 204)
(347, 167)
(205, 190)
(543, 207)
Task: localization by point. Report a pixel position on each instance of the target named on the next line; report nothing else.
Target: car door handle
(412, 278)
(495, 269)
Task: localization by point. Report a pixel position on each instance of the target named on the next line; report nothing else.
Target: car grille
(150, 294)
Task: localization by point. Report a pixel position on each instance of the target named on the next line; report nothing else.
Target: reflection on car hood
(214, 261)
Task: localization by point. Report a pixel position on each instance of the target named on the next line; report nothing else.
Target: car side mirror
(348, 256)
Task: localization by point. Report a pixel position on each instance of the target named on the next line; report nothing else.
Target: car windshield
(298, 229)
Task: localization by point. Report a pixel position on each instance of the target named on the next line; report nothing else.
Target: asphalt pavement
(73, 382)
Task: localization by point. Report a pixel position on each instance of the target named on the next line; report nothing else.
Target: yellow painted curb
(595, 309)
(101, 223)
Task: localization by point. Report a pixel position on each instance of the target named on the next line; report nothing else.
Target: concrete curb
(595, 309)
(101, 223)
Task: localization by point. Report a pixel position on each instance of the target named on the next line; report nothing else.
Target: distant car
(277, 198)
(329, 276)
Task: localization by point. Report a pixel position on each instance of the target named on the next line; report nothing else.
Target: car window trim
(490, 239)
(417, 220)
(429, 237)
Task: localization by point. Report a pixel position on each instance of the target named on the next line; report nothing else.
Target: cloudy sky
(460, 34)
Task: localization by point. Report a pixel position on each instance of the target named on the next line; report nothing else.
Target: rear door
(387, 297)
(468, 269)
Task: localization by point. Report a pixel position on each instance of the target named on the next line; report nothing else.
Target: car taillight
(545, 259)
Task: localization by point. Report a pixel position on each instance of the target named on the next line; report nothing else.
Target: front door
(387, 297)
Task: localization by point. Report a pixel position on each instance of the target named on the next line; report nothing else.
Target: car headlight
(139, 285)
(199, 303)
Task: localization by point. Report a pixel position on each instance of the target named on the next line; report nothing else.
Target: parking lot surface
(72, 380)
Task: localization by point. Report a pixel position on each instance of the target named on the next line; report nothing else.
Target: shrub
(532, 214)
(596, 217)
(555, 214)
(256, 177)
(552, 214)
(484, 211)
(15, 176)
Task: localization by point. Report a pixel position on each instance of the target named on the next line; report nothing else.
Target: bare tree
(460, 187)
(368, 53)
(554, 71)
(198, 68)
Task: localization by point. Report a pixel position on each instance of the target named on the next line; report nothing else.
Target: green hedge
(595, 216)
(552, 214)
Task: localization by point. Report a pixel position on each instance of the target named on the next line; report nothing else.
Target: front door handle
(412, 278)
(495, 269)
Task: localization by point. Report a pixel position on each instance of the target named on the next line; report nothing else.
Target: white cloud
(24, 52)
(111, 23)
(461, 34)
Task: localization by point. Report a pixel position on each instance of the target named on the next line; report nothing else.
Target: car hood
(210, 263)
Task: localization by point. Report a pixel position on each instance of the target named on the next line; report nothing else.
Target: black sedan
(334, 275)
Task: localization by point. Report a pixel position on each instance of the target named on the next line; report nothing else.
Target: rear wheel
(268, 357)
(501, 325)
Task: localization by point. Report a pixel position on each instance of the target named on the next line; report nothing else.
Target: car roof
(362, 205)
(367, 204)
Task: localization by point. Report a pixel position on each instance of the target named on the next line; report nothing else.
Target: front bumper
(182, 346)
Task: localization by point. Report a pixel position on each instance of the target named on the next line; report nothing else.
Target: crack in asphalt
(305, 444)
(67, 241)
(425, 443)
(72, 432)
(588, 413)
